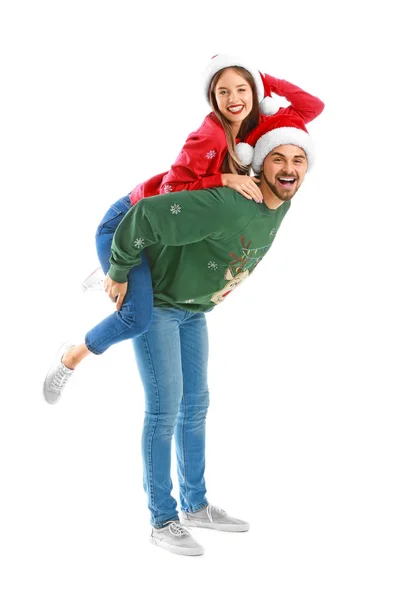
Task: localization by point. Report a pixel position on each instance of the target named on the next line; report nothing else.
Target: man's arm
(176, 219)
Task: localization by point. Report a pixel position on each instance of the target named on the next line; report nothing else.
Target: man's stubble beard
(274, 189)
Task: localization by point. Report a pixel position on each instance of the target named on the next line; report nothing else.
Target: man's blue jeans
(172, 358)
(136, 312)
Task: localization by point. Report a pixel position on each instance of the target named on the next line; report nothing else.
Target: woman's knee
(136, 320)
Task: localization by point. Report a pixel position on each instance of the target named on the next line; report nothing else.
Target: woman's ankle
(74, 356)
(69, 358)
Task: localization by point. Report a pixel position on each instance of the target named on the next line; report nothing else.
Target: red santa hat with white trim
(283, 129)
(268, 104)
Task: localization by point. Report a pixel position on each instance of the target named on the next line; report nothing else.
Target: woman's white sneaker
(212, 517)
(94, 281)
(57, 376)
(177, 539)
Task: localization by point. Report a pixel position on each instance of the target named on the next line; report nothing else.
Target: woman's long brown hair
(231, 163)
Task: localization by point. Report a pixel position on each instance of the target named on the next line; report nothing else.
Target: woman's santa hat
(268, 105)
(275, 131)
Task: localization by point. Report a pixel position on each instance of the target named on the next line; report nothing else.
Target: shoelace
(211, 508)
(178, 530)
(94, 281)
(60, 378)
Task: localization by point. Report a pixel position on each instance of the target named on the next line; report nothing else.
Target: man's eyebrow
(283, 156)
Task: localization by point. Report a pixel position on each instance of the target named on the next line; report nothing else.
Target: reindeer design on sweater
(239, 268)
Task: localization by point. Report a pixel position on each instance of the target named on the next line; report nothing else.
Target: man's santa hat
(275, 131)
(268, 105)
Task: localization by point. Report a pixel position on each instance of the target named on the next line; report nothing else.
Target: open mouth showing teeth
(286, 181)
(235, 109)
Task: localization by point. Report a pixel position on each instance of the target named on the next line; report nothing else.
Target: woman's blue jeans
(136, 312)
(172, 357)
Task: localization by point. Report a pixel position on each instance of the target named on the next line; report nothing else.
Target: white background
(304, 418)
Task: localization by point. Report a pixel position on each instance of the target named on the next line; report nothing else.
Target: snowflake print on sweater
(212, 265)
(168, 188)
(139, 243)
(175, 209)
(211, 154)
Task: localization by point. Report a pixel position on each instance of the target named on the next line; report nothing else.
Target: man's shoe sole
(176, 549)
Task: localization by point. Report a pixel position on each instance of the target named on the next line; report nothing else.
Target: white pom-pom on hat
(269, 106)
(245, 153)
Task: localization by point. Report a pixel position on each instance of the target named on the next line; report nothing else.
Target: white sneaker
(94, 281)
(57, 376)
(177, 539)
(212, 517)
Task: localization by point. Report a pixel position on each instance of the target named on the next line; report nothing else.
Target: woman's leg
(132, 320)
(136, 313)
(190, 430)
(134, 317)
(158, 356)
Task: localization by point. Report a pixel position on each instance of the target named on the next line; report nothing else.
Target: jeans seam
(150, 475)
(184, 448)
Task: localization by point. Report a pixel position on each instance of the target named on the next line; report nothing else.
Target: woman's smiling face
(234, 96)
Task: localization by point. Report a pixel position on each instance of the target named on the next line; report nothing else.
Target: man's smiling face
(284, 170)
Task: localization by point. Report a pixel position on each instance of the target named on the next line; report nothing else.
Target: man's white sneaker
(177, 539)
(94, 281)
(212, 517)
(57, 376)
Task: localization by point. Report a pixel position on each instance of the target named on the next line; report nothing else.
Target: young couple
(168, 260)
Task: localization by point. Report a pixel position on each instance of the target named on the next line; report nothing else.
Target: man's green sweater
(200, 244)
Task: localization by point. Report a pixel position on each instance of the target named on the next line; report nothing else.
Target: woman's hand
(116, 291)
(244, 184)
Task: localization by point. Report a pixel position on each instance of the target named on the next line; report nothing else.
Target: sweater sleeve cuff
(117, 274)
(212, 181)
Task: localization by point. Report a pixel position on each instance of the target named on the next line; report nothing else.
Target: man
(200, 246)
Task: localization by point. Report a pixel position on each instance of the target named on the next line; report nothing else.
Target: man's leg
(190, 430)
(158, 355)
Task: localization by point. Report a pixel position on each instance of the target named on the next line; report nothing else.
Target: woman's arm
(198, 165)
(199, 162)
(306, 105)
